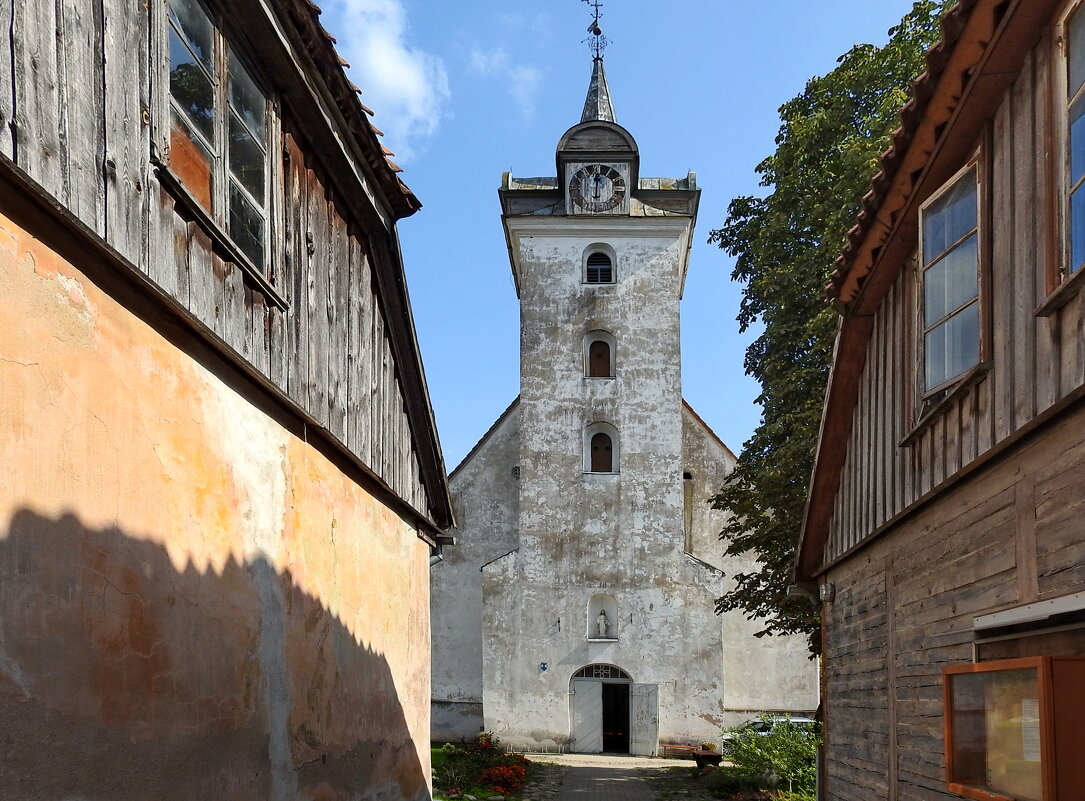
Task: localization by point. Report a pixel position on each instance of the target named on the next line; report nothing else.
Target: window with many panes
(218, 129)
(950, 276)
(1075, 90)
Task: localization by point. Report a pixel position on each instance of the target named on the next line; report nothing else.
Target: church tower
(576, 611)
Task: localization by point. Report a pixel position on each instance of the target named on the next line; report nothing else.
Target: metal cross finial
(597, 42)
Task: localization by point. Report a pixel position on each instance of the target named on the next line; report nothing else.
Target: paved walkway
(592, 777)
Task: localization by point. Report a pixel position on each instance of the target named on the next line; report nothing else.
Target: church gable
(485, 489)
(706, 463)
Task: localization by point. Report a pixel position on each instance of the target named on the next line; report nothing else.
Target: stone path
(592, 777)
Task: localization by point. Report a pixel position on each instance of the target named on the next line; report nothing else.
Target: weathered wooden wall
(904, 609)
(1035, 361)
(80, 125)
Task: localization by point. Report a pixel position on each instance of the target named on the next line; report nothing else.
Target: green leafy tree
(785, 243)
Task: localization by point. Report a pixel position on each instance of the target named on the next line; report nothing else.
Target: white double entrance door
(614, 716)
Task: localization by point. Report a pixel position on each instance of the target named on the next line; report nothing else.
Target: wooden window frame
(615, 448)
(215, 222)
(931, 401)
(1057, 733)
(1061, 283)
(599, 335)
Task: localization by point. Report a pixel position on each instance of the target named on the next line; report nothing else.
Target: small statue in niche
(602, 624)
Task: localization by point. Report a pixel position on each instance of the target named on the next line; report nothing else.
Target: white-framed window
(601, 448)
(599, 349)
(949, 256)
(220, 130)
(599, 264)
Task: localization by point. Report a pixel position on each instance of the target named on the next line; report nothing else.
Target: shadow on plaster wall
(124, 678)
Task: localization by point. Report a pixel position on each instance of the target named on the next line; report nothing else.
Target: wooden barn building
(222, 487)
(946, 520)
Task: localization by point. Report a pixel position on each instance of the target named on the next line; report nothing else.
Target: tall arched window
(600, 448)
(599, 355)
(602, 453)
(687, 497)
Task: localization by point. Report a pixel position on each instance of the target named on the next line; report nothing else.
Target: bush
(784, 758)
(726, 782)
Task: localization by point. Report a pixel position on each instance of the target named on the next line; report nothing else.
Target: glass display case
(1015, 729)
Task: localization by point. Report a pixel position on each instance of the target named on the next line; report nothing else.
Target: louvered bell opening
(600, 270)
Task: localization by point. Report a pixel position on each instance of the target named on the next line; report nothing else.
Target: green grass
(437, 757)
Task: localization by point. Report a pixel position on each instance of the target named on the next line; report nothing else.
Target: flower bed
(478, 769)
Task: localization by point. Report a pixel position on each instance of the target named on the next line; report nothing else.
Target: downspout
(437, 552)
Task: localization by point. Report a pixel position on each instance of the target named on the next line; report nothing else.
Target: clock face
(597, 187)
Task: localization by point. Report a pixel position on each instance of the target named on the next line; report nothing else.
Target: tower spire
(598, 105)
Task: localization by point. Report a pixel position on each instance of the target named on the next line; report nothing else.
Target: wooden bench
(704, 757)
(683, 750)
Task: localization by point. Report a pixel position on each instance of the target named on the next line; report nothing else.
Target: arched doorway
(600, 710)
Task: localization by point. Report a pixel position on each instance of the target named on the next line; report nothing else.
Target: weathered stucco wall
(194, 603)
(485, 494)
(760, 674)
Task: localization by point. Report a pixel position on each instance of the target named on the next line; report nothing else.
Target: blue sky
(467, 90)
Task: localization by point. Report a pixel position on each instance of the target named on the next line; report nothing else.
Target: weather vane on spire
(597, 42)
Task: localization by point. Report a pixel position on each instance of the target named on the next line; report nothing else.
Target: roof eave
(954, 100)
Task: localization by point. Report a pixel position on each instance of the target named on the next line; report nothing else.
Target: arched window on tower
(602, 453)
(599, 359)
(599, 354)
(599, 269)
(601, 448)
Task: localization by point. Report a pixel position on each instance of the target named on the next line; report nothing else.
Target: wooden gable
(884, 450)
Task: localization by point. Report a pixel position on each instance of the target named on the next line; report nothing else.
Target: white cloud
(406, 86)
(523, 80)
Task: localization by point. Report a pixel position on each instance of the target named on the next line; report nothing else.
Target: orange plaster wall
(193, 602)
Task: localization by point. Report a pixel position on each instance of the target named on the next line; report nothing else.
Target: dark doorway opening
(616, 718)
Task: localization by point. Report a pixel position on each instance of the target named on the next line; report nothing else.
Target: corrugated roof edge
(305, 15)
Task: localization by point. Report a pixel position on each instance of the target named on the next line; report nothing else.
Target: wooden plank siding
(904, 609)
(1034, 361)
(83, 114)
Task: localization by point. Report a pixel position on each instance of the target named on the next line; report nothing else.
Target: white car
(766, 724)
